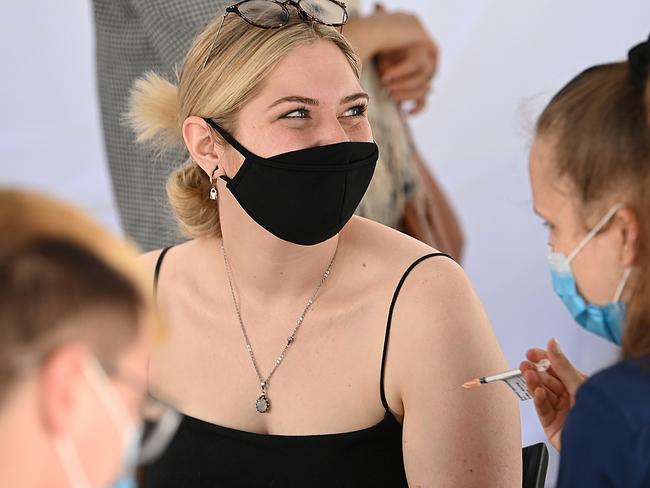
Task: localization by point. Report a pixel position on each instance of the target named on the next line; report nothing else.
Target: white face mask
(117, 411)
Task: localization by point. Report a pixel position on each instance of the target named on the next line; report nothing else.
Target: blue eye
(304, 112)
(300, 113)
(356, 111)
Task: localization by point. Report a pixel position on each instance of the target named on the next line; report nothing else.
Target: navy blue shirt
(606, 435)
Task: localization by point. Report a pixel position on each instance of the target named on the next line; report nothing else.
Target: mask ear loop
(66, 451)
(601, 223)
(118, 413)
(621, 285)
(70, 461)
(229, 139)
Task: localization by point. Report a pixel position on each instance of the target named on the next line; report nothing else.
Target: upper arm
(440, 338)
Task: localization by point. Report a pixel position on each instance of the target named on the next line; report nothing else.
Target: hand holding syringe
(513, 378)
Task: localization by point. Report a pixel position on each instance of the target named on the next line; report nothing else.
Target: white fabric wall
(501, 61)
(50, 132)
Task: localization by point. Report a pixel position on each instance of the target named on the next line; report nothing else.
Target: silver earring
(214, 194)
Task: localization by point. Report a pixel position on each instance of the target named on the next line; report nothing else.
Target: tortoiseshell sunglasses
(273, 14)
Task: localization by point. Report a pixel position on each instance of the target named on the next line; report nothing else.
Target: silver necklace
(263, 404)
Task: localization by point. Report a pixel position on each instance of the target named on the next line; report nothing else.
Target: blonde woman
(76, 326)
(134, 36)
(307, 347)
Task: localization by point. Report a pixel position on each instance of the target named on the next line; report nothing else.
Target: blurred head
(274, 90)
(75, 321)
(591, 152)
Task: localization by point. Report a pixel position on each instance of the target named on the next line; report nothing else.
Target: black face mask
(305, 196)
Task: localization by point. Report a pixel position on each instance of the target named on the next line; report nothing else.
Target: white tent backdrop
(500, 62)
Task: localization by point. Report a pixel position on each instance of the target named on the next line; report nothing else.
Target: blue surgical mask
(130, 458)
(130, 431)
(129, 482)
(605, 321)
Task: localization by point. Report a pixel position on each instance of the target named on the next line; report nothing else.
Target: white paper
(518, 385)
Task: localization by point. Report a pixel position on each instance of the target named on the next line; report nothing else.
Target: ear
(629, 225)
(200, 141)
(62, 383)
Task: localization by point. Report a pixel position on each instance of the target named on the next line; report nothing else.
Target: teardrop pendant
(263, 405)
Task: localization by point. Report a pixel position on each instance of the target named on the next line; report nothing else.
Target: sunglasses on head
(273, 14)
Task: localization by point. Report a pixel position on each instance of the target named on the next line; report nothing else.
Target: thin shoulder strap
(156, 272)
(390, 319)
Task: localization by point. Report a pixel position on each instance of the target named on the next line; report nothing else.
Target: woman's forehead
(317, 70)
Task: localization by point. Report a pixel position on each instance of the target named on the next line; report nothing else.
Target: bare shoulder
(174, 256)
(424, 284)
(436, 307)
(148, 261)
(384, 247)
(181, 266)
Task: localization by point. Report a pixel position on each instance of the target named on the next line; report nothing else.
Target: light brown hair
(600, 126)
(62, 278)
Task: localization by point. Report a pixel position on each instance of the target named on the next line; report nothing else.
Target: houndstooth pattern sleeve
(132, 37)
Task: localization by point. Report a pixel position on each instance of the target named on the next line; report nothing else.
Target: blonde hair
(63, 278)
(241, 58)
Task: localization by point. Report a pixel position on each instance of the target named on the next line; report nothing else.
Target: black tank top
(206, 455)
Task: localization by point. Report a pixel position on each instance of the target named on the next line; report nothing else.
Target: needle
(542, 366)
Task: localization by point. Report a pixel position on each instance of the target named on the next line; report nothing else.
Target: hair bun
(639, 60)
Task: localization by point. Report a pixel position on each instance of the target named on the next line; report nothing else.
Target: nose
(331, 131)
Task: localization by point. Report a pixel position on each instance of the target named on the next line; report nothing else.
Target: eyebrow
(355, 96)
(314, 103)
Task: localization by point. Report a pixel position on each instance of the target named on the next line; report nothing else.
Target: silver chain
(292, 337)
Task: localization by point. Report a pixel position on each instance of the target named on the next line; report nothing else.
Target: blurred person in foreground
(76, 328)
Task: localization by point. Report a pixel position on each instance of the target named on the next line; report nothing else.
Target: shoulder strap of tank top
(156, 272)
(390, 318)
